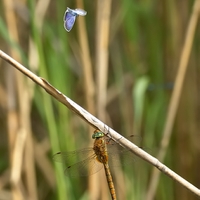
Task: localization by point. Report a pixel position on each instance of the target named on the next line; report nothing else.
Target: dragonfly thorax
(100, 150)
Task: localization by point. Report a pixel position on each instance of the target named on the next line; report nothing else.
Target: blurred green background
(120, 63)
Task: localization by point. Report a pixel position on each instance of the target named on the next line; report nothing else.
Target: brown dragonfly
(88, 161)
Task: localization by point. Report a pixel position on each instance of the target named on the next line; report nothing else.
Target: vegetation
(121, 62)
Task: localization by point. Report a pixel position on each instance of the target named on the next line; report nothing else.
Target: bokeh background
(120, 62)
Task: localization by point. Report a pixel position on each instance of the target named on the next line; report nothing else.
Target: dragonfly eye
(97, 134)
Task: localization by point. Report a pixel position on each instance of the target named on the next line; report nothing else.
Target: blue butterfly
(70, 17)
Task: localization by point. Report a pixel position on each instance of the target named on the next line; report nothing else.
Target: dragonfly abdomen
(110, 181)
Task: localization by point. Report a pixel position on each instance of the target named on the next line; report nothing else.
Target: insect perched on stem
(90, 161)
(104, 153)
(70, 17)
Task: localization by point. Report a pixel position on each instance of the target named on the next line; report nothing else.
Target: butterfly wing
(80, 12)
(69, 20)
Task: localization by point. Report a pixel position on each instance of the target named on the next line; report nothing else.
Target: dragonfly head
(97, 134)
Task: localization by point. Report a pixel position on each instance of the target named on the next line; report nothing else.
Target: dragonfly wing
(71, 157)
(85, 167)
(136, 139)
(78, 163)
(120, 156)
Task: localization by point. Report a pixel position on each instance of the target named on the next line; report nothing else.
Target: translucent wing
(69, 20)
(120, 156)
(79, 163)
(83, 162)
(81, 12)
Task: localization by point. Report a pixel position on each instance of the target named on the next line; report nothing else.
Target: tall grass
(117, 62)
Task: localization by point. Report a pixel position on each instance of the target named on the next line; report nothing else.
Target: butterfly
(70, 17)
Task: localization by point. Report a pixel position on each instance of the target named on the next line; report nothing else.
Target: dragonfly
(70, 17)
(88, 161)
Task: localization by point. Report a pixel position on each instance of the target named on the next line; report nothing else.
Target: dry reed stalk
(175, 99)
(4, 179)
(96, 123)
(41, 150)
(17, 135)
(23, 142)
(101, 67)
(89, 85)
